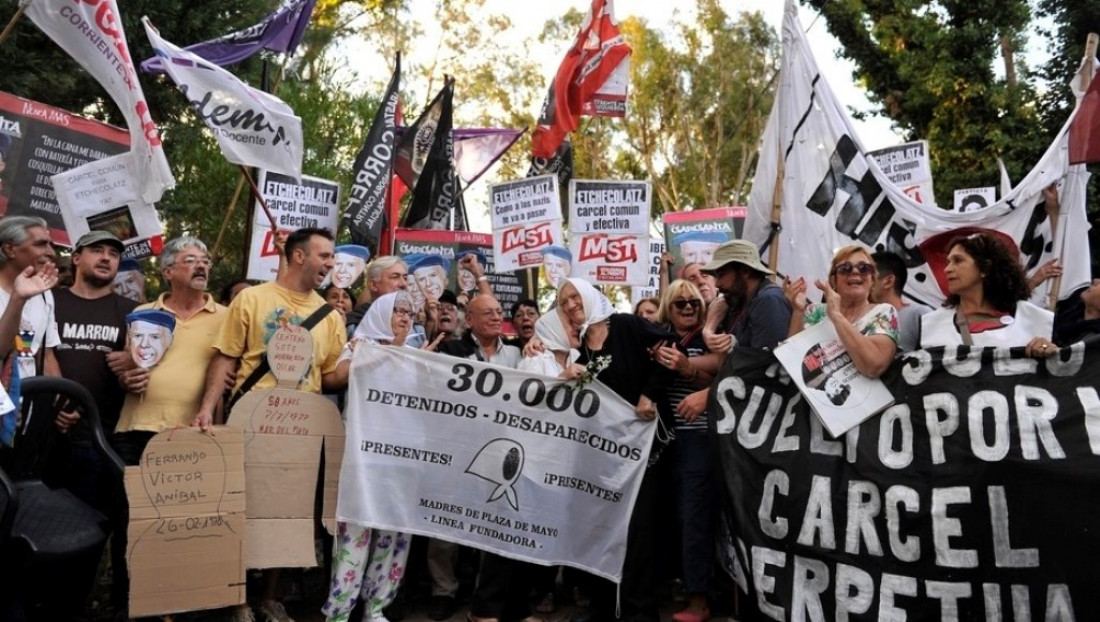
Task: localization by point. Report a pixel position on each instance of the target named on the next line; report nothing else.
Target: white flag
(253, 128)
(91, 32)
(834, 194)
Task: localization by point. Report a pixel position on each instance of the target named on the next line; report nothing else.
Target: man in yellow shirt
(169, 394)
(254, 316)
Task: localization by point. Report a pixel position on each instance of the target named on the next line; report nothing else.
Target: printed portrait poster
(823, 370)
(692, 236)
(526, 218)
(653, 288)
(313, 203)
(412, 245)
(609, 231)
(908, 167)
(39, 141)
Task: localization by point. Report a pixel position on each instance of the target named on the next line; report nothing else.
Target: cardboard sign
(187, 522)
(653, 287)
(290, 353)
(285, 431)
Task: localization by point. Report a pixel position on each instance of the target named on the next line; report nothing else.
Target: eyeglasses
(683, 304)
(191, 262)
(862, 267)
(407, 312)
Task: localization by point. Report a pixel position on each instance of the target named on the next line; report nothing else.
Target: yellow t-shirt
(175, 388)
(258, 311)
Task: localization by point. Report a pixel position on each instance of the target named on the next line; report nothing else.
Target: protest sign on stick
(609, 231)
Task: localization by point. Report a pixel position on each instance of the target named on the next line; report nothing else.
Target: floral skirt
(366, 562)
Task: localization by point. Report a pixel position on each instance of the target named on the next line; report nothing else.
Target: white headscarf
(551, 331)
(597, 307)
(377, 323)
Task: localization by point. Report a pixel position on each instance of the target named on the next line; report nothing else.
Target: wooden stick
(777, 209)
(11, 23)
(228, 211)
(260, 198)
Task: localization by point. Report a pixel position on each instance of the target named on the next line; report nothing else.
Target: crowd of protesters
(663, 358)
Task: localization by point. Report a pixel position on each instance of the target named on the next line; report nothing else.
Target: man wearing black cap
(91, 322)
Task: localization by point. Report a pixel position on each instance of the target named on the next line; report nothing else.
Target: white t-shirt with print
(36, 326)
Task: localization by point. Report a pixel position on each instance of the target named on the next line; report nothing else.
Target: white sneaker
(273, 611)
(242, 613)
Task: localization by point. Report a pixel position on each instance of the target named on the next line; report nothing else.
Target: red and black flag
(598, 54)
(366, 210)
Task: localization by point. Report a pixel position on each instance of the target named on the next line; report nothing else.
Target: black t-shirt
(89, 329)
(632, 371)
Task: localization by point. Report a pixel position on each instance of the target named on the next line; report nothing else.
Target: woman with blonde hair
(868, 331)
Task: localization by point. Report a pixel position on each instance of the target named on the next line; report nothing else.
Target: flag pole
(1084, 78)
(244, 176)
(228, 211)
(777, 211)
(11, 23)
(260, 198)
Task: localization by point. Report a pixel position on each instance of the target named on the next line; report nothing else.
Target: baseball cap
(98, 237)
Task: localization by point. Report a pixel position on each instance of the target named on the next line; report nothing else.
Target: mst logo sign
(524, 238)
(609, 248)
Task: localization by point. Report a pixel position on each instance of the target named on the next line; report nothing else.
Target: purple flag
(279, 32)
(478, 148)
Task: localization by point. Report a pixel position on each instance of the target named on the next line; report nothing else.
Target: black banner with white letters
(975, 497)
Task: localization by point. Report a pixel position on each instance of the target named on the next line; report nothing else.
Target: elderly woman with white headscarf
(559, 358)
(369, 563)
(617, 347)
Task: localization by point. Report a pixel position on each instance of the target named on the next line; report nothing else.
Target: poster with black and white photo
(39, 141)
(523, 465)
(823, 370)
(973, 497)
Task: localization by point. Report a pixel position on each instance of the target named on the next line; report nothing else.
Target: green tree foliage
(698, 105)
(931, 68)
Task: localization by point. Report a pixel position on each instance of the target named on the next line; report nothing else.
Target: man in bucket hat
(759, 315)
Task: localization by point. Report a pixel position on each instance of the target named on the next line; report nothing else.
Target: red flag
(597, 52)
(1084, 131)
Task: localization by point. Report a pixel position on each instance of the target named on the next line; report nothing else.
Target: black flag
(435, 195)
(366, 211)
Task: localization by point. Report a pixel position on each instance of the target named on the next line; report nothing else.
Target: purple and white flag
(253, 128)
(280, 31)
(91, 32)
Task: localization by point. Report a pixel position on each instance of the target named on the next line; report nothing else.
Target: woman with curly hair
(987, 305)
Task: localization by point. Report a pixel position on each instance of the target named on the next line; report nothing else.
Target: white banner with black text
(526, 466)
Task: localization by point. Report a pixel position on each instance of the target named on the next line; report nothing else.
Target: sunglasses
(683, 304)
(848, 267)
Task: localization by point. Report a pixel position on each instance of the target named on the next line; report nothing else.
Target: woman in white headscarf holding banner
(559, 357)
(369, 563)
(616, 349)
